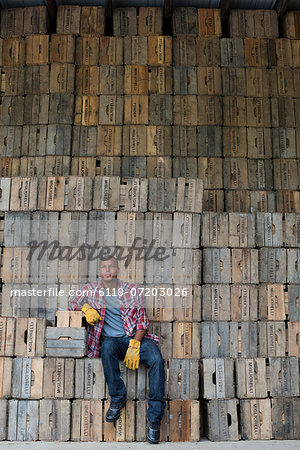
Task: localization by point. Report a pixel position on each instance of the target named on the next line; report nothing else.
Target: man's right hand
(91, 315)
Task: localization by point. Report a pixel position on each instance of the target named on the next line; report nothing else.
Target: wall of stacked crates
(196, 133)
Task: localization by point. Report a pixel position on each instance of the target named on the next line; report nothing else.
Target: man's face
(109, 269)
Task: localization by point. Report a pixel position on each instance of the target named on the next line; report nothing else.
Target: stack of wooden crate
(189, 140)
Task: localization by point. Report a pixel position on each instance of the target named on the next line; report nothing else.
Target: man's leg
(151, 356)
(113, 349)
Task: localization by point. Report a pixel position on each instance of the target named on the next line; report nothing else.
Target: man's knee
(155, 359)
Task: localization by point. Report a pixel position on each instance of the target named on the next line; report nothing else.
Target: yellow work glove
(132, 357)
(91, 315)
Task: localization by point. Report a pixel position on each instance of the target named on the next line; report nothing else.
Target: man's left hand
(132, 357)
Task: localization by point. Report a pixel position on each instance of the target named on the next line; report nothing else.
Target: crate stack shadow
(190, 140)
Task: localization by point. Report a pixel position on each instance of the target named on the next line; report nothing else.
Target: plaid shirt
(132, 309)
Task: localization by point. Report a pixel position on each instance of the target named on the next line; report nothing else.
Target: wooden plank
(3, 419)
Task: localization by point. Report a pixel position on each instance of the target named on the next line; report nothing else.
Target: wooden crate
(136, 109)
(32, 166)
(288, 201)
(68, 19)
(209, 22)
(209, 139)
(258, 82)
(284, 377)
(184, 167)
(210, 110)
(256, 422)
(36, 79)
(109, 140)
(291, 25)
(293, 270)
(84, 141)
(36, 109)
(244, 266)
(27, 378)
(271, 302)
(111, 110)
(12, 22)
(12, 80)
(5, 193)
(260, 174)
(74, 346)
(272, 265)
(160, 50)
(160, 109)
(265, 23)
(108, 193)
(51, 193)
(23, 420)
(234, 111)
(59, 379)
(10, 141)
(62, 78)
(186, 230)
(185, 110)
(87, 51)
(283, 112)
(221, 420)
(244, 306)
(282, 82)
(30, 336)
(161, 166)
(111, 80)
(12, 110)
(84, 167)
(234, 142)
(184, 420)
(3, 420)
(286, 174)
(86, 110)
(150, 21)
(92, 20)
(256, 52)
(189, 195)
(241, 23)
(216, 265)
(125, 21)
(13, 52)
(295, 53)
(111, 50)
(260, 143)
(241, 230)
(282, 53)
(23, 195)
(272, 339)
(269, 230)
(208, 51)
(186, 340)
(292, 237)
(214, 230)
(37, 49)
(36, 20)
(209, 81)
(6, 372)
(185, 80)
(293, 348)
(232, 52)
(251, 378)
(136, 50)
(217, 378)
(9, 167)
(233, 81)
(235, 173)
(160, 80)
(184, 141)
(217, 302)
(185, 21)
(80, 190)
(62, 50)
(285, 413)
(258, 112)
(185, 51)
(86, 420)
(183, 379)
(61, 109)
(134, 166)
(57, 165)
(7, 336)
(54, 420)
(133, 194)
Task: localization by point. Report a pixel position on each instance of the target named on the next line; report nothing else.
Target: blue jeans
(113, 349)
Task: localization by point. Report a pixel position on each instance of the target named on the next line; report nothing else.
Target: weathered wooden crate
(286, 174)
(133, 166)
(183, 379)
(184, 420)
(34, 140)
(284, 377)
(134, 140)
(75, 345)
(12, 80)
(84, 141)
(241, 23)
(160, 109)
(7, 336)
(6, 372)
(62, 78)
(258, 82)
(124, 429)
(134, 271)
(210, 110)
(62, 50)
(233, 81)
(234, 110)
(16, 269)
(13, 51)
(186, 340)
(283, 112)
(110, 109)
(258, 112)
(36, 80)
(61, 109)
(280, 52)
(165, 167)
(5, 193)
(125, 21)
(217, 378)
(185, 81)
(216, 265)
(293, 266)
(185, 21)
(283, 82)
(210, 171)
(295, 53)
(208, 51)
(293, 347)
(269, 229)
(187, 303)
(68, 19)
(214, 230)
(209, 22)
(36, 20)
(3, 419)
(23, 195)
(57, 166)
(86, 421)
(58, 379)
(108, 166)
(111, 80)
(184, 51)
(265, 23)
(54, 420)
(209, 142)
(217, 302)
(30, 337)
(156, 227)
(27, 378)
(272, 339)
(85, 167)
(292, 230)
(291, 25)
(51, 196)
(164, 331)
(160, 80)
(271, 302)
(87, 51)
(221, 420)
(111, 50)
(241, 230)
(273, 265)
(150, 21)
(259, 143)
(12, 110)
(251, 378)
(185, 110)
(136, 109)
(159, 51)
(260, 174)
(235, 173)
(92, 20)
(184, 141)
(32, 166)
(255, 419)
(9, 167)
(36, 109)
(86, 110)
(285, 414)
(109, 140)
(37, 49)
(256, 52)
(130, 226)
(288, 201)
(189, 195)
(244, 305)
(89, 379)
(108, 193)
(232, 52)
(23, 420)
(10, 141)
(234, 142)
(184, 167)
(12, 22)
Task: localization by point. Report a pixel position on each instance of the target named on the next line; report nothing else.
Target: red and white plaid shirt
(132, 310)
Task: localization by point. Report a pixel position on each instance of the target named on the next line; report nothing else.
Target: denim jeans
(113, 349)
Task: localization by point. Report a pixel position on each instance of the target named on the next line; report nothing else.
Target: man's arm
(139, 335)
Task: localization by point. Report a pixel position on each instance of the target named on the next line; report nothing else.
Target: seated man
(118, 325)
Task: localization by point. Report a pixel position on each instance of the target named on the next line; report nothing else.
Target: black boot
(114, 411)
(153, 432)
